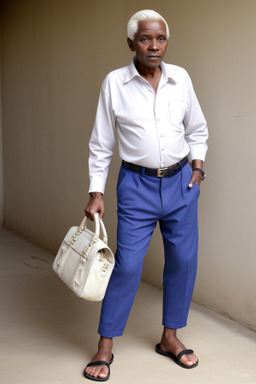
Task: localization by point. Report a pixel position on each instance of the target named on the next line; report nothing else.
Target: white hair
(146, 14)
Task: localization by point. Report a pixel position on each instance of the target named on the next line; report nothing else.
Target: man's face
(150, 43)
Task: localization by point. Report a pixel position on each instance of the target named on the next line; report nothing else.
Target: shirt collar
(131, 72)
(167, 72)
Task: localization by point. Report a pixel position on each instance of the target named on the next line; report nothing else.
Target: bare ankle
(169, 334)
(105, 346)
(170, 341)
(105, 342)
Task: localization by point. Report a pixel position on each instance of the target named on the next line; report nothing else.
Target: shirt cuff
(96, 185)
(198, 152)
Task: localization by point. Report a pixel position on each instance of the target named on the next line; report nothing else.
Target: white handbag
(84, 261)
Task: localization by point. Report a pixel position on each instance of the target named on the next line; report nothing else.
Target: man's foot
(101, 372)
(170, 343)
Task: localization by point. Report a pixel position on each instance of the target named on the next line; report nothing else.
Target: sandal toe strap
(185, 352)
(95, 363)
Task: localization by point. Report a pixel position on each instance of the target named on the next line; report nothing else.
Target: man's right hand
(95, 204)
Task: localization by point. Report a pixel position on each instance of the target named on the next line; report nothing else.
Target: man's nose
(154, 45)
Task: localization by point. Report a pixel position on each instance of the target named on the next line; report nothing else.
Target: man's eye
(144, 39)
(162, 38)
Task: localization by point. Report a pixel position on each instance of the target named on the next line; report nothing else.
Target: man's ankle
(169, 333)
(105, 343)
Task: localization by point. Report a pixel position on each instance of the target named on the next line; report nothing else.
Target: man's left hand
(197, 176)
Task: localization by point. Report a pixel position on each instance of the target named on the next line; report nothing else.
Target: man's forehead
(151, 26)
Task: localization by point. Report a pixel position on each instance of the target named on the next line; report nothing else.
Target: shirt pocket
(177, 113)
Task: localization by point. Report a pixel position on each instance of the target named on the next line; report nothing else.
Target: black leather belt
(160, 172)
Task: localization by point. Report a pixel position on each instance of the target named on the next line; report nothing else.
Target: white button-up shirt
(154, 130)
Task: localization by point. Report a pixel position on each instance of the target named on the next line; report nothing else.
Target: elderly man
(159, 124)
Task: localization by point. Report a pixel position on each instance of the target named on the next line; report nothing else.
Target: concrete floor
(48, 335)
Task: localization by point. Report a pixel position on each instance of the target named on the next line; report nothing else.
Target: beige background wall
(1, 147)
(55, 55)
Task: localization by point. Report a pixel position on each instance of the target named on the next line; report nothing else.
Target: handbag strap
(103, 230)
(99, 227)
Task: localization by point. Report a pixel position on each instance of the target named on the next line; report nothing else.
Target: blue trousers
(142, 202)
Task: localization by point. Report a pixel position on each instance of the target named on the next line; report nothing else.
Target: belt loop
(142, 171)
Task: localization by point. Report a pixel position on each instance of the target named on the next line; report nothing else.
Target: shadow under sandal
(97, 363)
(177, 358)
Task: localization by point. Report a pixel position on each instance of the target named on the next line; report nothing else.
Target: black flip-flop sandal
(177, 358)
(100, 362)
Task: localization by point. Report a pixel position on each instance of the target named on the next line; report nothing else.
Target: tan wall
(55, 56)
(1, 146)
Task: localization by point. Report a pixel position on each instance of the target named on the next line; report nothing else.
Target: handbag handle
(99, 227)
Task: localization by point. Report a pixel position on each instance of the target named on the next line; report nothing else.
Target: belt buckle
(160, 172)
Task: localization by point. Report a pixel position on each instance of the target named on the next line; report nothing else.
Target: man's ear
(130, 44)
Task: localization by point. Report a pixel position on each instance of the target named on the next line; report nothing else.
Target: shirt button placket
(160, 134)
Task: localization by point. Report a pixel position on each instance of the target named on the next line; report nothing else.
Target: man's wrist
(201, 171)
(197, 164)
(95, 194)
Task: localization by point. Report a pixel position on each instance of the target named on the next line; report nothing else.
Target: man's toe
(189, 360)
